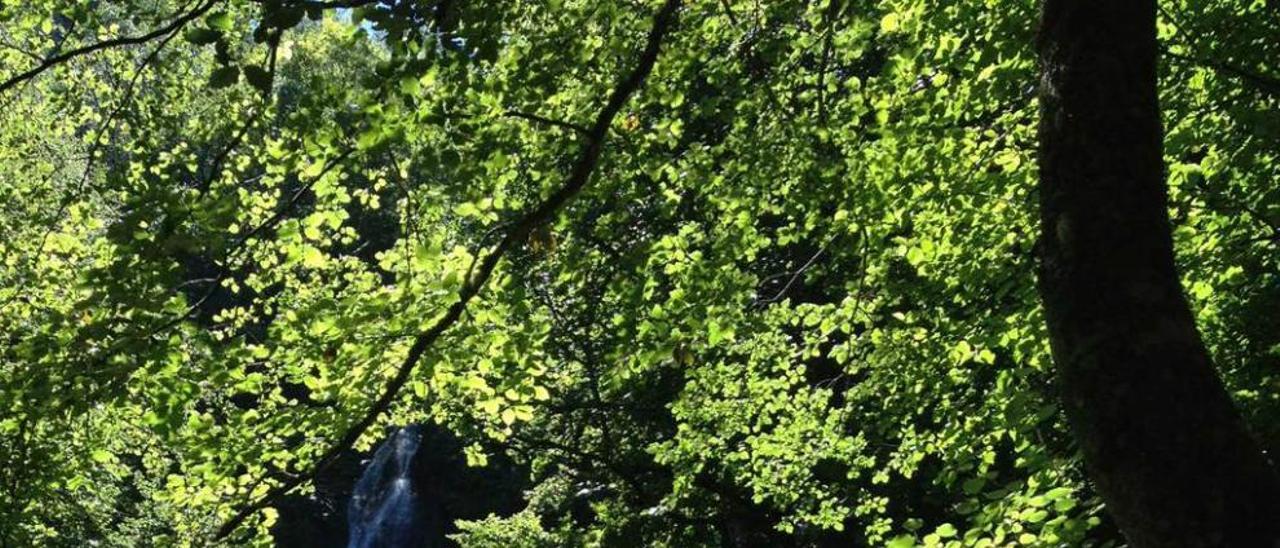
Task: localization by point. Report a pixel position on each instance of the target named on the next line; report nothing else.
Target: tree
(792, 304)
(1161, 438)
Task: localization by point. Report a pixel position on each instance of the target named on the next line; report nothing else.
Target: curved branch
(578, 179)
(56, 60)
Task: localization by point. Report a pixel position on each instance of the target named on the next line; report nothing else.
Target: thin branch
(194, 282)
(728, 10)
(1264, 84)
(14, 47)
(324, 4)
(548, 121)
(577, 180)
(56, 60)
(794, 276)
(1259, 82)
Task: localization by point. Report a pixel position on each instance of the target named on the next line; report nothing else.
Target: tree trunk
(1162, 440)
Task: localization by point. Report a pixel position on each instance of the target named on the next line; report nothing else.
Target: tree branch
(577, 180)
(547, 121)
(1265, 84)
(324, 4)
(795, 275)
(56, 60)
(1259, 82)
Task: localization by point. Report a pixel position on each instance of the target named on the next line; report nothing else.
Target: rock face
(406, 494)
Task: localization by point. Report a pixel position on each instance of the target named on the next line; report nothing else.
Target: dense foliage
(793, 303)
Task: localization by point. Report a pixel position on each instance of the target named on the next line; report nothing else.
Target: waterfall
(386, 511)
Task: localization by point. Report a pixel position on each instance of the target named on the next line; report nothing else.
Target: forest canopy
(703, 273)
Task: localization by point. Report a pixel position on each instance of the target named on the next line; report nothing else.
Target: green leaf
(901, 541)
(224, 77)
(467, 209)
(220, 21)
(369, 139)
(425, 257)
(1064, 505)
(986, 356)
(259, 78)
(410, 85)
(201, 36)
(313, 170)
(890, 23)
(284, 18)
(973, 486)
(312, 257)
(946, 530)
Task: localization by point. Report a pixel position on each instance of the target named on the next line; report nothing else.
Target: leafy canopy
(793, 298)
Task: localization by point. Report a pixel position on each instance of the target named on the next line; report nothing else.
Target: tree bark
(1161, 438)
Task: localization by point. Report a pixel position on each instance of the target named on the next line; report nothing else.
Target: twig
(794, 276)
(548, 121)
(56, 60)
(728, 11)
